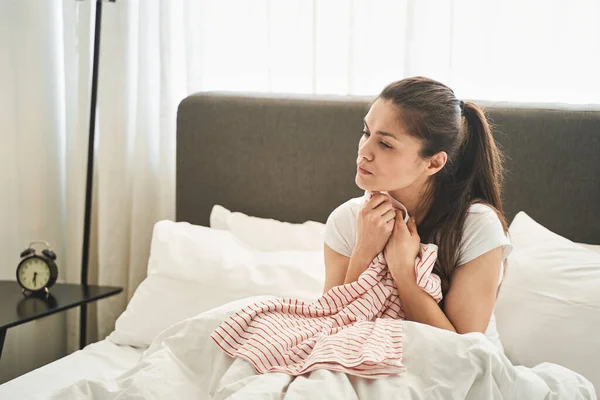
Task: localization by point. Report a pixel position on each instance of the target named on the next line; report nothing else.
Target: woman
(424, 151)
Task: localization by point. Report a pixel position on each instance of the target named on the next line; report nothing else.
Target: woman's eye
(382, 144)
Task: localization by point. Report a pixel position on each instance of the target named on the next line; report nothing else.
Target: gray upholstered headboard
(292, 158)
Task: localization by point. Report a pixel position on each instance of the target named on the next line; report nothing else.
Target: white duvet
(184, 363)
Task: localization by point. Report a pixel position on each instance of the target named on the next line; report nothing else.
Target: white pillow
(593, 247)
(548, 308)
(194, 268)
(269, 234)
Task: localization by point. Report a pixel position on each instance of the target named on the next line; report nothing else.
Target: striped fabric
(354, 328)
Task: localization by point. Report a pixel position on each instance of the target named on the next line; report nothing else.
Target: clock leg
(2, 337)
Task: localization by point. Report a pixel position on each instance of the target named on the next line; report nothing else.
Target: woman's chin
(360, 182)
(369, 186)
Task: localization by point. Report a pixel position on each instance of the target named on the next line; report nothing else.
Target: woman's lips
(363, 171)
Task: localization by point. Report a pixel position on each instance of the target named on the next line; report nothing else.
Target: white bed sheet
(102, 360)
(175, 367)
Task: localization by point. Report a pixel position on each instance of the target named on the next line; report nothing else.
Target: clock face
(33, 274)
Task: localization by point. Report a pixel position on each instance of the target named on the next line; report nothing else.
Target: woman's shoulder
(482, 231)
(482, 208)
(482, 214)
(345, 216)
(340, 229)
(347, 208)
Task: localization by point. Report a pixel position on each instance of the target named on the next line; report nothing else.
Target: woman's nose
(364, 150)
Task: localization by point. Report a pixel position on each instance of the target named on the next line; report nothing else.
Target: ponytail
(483, 160)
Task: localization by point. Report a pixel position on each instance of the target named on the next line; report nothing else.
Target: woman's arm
(469, 302)
(340, 269)
(336, 266)
(359, 262)
(470, 299)
(373, 228)
(419, 306)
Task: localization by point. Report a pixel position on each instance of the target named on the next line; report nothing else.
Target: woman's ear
(436, 163)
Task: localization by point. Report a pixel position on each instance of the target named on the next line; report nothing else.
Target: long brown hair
(473, 172)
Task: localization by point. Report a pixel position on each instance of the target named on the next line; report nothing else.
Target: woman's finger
(384, 207)
(401, 225)
(412, 226)
(389, 215)
(375, 200)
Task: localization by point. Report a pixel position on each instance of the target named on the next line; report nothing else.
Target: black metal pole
(2, 337)
(90, 174)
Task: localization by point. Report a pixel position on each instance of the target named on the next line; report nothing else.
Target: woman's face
(388, 157)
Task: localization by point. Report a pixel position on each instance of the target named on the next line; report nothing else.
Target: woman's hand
(375, 225)
(402, 249)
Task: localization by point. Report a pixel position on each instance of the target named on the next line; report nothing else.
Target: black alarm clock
(37, 272)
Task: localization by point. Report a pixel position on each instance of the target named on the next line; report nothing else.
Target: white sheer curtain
(508, 50)
(143, 77)
(155, 52)
(44, 103)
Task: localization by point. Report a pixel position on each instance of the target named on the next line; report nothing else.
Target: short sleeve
(482, 232)
(340, 230)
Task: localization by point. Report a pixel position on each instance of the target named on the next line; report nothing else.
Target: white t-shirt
(482, 232)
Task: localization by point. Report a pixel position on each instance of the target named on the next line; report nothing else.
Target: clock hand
(34, 275)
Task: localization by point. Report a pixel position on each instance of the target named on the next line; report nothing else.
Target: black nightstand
(16, 309)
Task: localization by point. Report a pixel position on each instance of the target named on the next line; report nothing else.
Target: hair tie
(462, 108)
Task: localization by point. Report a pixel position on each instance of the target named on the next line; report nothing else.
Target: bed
(281, 160)
(100, 360)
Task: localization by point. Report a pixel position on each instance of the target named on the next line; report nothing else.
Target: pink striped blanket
(355, 328)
